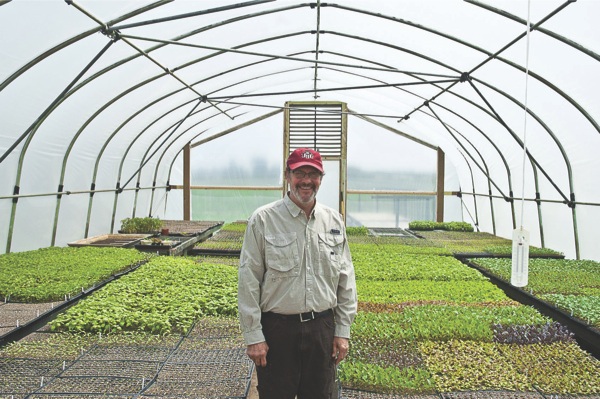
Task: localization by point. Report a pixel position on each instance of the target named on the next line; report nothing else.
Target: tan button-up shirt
(291, 264)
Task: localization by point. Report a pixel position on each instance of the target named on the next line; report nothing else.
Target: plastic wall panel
(143, 203)
(33, 223)
(453, 210)
(248, 157)
(550, 192)
(37, 31)
(174, 206)
(251, 156)
(121, 139)
(5, 209)
(41, 168)
(546, 55)
(72, 207)
(588, 221)
(467, 211)
(26, 98)
(503, 218)
(372, 148)
(100, 218)
(129, 175)
(481, 209)
(8, 171)
(125, 204)
(585, 170)
(79, 171)
(558, 228)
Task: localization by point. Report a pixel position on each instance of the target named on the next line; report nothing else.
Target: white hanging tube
(520, 258)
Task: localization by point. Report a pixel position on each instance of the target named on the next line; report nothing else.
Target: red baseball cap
(305, 157)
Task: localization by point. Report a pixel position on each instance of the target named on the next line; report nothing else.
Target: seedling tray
(110, 240)
(189, 227)
(119, 370)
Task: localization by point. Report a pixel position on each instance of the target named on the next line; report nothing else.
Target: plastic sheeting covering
(98, 99)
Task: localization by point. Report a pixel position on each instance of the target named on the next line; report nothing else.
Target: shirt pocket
(330, 253)
(281, 255)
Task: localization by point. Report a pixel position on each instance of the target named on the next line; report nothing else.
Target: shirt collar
(294, 209)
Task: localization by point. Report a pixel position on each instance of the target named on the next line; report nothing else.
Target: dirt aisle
(253, 394)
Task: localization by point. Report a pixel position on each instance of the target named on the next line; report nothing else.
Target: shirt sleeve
(345, 310)
(250, 277)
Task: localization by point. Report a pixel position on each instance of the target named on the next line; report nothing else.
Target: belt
(302, 317)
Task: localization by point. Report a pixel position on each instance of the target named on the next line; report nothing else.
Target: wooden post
(441, 164)
(187, 192)
(344, 162)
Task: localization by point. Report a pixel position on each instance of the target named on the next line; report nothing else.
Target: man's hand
(340, 349)
(258, 353)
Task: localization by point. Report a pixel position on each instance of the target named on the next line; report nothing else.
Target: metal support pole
(187, 192)
(441, 172)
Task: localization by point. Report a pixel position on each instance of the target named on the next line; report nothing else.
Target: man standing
(297, 291)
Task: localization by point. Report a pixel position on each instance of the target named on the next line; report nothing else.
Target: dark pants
(299, 361)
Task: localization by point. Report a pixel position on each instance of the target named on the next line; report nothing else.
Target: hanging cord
(525, 108)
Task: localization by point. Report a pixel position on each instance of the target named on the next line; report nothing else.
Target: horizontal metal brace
(538, 200)
(77, 192)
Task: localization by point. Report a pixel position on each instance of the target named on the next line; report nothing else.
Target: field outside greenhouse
(429, 325)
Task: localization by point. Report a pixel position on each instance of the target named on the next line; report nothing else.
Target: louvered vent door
(317, 126)
(321, 126)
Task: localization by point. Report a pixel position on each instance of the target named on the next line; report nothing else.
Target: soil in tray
(205, 372)
(198, 389)
(155, 247)
(120, 368)
(13, 314)
(94, 385)
(113, 242)
(109, 240)
(188, 227)
(124, 352)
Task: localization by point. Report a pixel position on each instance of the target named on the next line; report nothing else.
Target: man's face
(304, 184)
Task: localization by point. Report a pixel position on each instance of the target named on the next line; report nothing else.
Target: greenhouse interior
(459, 140)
